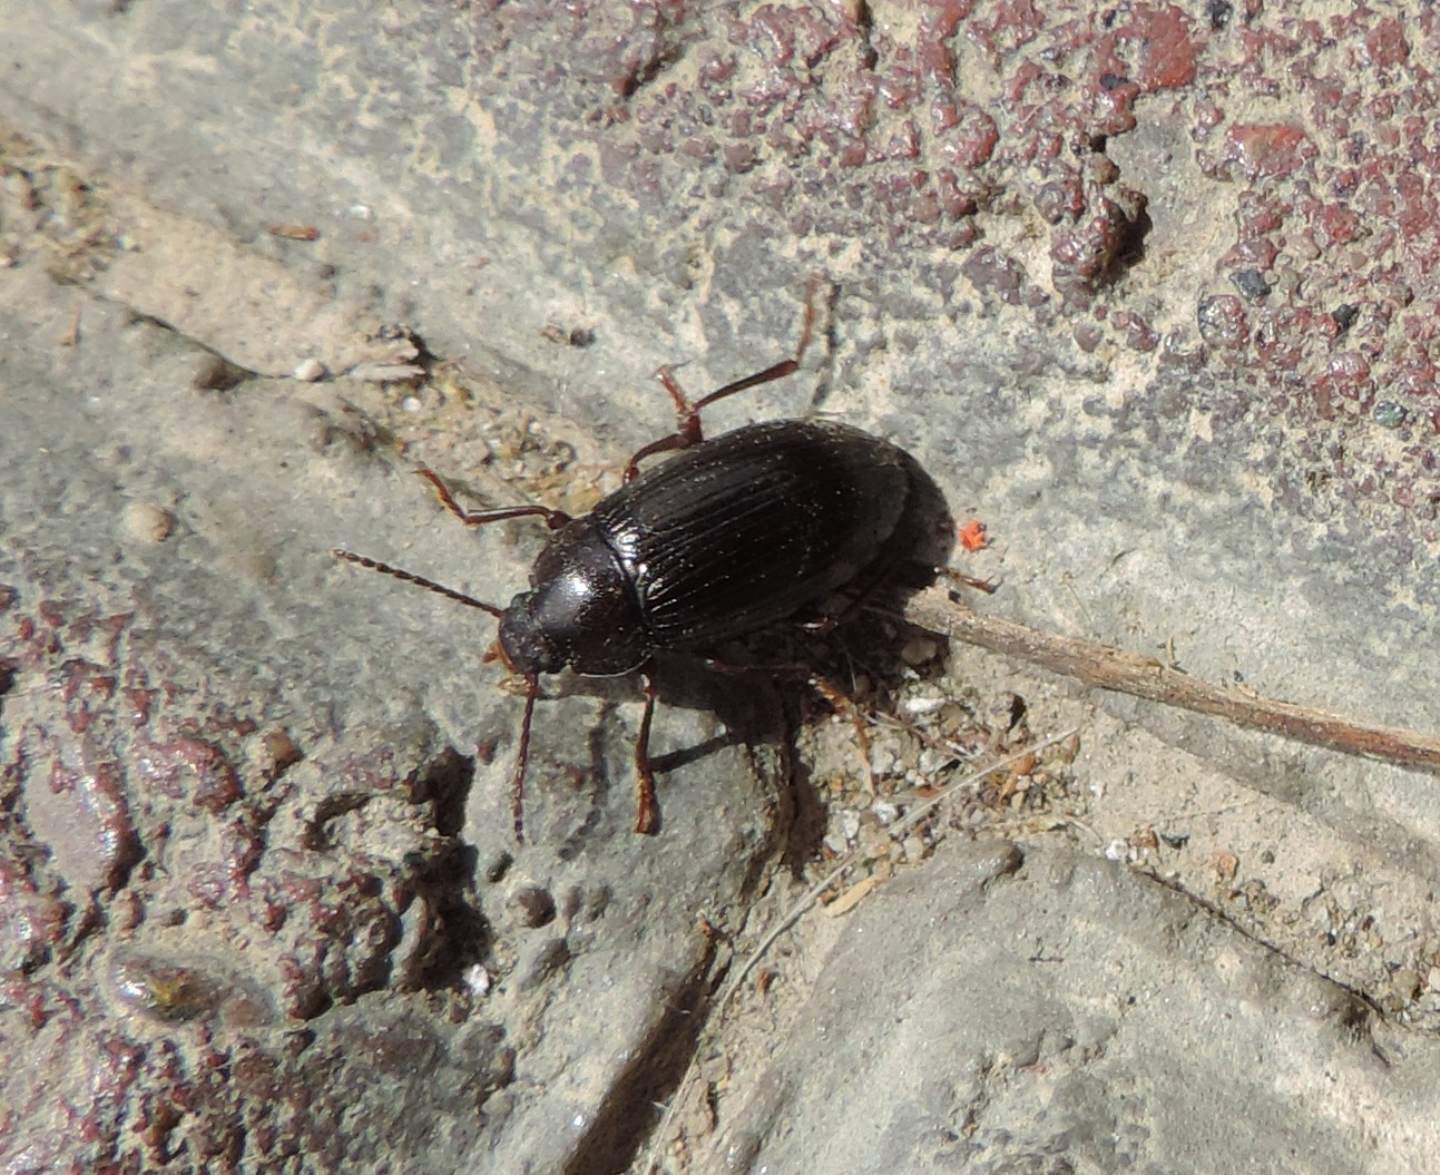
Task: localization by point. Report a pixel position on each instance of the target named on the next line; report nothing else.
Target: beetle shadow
(683, 681)
(759, 705)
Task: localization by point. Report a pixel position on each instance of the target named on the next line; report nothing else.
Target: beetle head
(526, 646)
(581, 611)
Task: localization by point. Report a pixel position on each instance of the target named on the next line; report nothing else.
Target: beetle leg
(675, 440)
(646, 813)
(987, 586)
(554, 519)
(840, 700)
(687, 415)
(522, 759)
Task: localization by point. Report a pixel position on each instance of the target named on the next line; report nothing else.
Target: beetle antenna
(522, 757)
(418, 580)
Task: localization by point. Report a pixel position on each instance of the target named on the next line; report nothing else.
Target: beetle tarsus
(840, 700)
(987, 586)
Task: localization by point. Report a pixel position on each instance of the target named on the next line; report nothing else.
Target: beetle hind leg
(688, 430)
(842, 702)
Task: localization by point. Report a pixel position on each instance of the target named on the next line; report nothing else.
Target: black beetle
(727, 538)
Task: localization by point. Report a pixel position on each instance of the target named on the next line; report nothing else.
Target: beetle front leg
(522, 759)
(554, 519)
(646, 811)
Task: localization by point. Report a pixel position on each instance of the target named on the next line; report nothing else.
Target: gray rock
(256, 870)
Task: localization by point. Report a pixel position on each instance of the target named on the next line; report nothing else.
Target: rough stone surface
(1149, 289)
(1046, 1010)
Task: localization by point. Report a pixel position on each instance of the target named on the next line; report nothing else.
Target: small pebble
(477, 979)
(1251, 283)
(148, 523)
(309, 371)
(918, 650)
(932, 760)
(534, 905)
(923, 705)
(214, 374)
(1406, 983)
(1388, 414)
(885, 812)
(274, 751)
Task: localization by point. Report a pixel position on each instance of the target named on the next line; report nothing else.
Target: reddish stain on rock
(192, 763)
(1085, 255)
(79, 811)
(1385, 44)
(1164, 55)
(1009, 25)
(1339, 223)
(31, 923)
(974, 138)
(1349, 371)
(1267, 150)
(1139, 334)
(989, 269)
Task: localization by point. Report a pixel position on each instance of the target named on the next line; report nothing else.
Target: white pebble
(919, 649)
(309, 371)
(477, 979)
(923, 705)
(148, 522)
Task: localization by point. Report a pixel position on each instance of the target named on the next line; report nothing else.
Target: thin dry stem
(1113, 669)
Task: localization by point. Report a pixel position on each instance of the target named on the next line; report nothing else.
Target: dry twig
(1113, 669)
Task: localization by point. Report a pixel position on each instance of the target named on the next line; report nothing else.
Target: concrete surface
(1148, 289)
